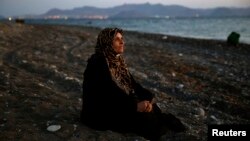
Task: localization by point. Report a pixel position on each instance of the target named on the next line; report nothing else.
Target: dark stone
(20, 21)
(233, 38)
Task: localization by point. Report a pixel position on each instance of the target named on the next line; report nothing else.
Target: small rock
(164, 37)
(180, 86)
(54, 128)
(201, 112)
(173, 74)
(215, 119)
(180, 54)
(24, 61)
(75, 126)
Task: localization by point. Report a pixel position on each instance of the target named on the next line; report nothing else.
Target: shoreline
(147, 32)
(161, 35)
(41, 71)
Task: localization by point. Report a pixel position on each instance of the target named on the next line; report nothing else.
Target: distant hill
(146, 10)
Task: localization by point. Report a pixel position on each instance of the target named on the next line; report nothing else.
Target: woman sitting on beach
(113, 100)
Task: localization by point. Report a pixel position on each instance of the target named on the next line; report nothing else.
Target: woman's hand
(144, 106)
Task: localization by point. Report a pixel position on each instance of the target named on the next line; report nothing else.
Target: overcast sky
(23, 7)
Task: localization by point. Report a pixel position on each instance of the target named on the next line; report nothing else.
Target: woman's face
(118, 43)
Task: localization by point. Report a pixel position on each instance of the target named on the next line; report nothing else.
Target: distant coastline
(145, 10)
(200, 28)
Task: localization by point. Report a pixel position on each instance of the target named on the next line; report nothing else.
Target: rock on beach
(200, 81)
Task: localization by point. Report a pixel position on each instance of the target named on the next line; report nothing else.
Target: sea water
(198, 27)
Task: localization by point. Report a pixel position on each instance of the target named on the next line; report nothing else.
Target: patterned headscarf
(117, 66)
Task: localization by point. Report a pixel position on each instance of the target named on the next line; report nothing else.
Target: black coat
(107, 107)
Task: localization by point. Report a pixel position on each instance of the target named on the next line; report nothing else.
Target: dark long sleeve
(141, 92)
(101, 96)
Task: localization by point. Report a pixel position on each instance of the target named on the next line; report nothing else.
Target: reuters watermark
(241, 132)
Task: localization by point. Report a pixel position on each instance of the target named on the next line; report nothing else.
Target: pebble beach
(200, 81)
